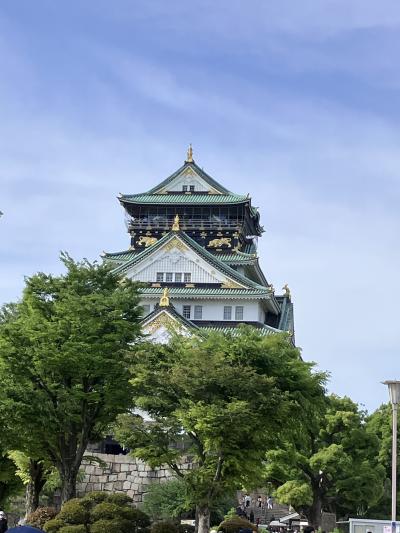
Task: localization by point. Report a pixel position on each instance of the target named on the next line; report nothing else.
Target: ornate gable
(162, 322)
(175, 256)
(188, 180)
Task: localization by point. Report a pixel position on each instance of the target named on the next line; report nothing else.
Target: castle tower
(194, 244)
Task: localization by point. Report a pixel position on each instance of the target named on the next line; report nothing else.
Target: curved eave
(184, 199)
(206, 293)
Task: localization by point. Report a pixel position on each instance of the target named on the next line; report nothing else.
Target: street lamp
(394, 395)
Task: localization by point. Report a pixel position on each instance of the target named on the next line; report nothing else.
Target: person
(270, 503)
(259, 501)
(252, 516)
(3, 522)
(247, 500)
(309, 529)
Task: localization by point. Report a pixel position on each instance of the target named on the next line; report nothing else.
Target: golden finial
(271, 288)
(164, 300)
(287, 290)
(189, 155)
(175, 225)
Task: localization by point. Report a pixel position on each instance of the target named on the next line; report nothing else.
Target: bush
(119, 498)
(74, 512)
(235, 524)
(77, 528)
(39, 517)
(117, 525)
(99, 512)
(167, 526)
(52, 526)
(94, 497)
(105, 511)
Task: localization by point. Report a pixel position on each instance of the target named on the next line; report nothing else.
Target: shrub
(99, 512)
(77, 528)
(235, 524)
(117, 525)
(74, 512)
(105, 511)
(95, 497)
(166, 526)
(119, 498)
(39, 517)
(52, 526)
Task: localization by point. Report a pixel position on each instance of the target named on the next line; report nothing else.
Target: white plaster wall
(214, 309)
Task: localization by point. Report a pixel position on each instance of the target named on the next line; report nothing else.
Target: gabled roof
(170, 309)
(192, 165)
(202, 252)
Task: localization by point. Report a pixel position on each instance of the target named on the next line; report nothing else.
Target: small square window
(239, 312)
(178, 277)
(160, 277)
(198, 312)
(187, 277)
(186, 311)
(184, 188)
(146, 309)
(227, 312)
(168, 277)
(191, 188)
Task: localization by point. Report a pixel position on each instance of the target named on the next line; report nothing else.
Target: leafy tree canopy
(64, 362)
(332, 466)
(223, 398)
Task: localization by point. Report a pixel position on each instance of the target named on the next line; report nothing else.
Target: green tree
(64, 362)
(379, 423)
(166, 500)
(222, 401)
(10, 483)
(333, 466)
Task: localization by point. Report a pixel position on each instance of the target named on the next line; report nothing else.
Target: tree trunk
(34, 487)
(203, 518)
(314, 514)
(68, 483)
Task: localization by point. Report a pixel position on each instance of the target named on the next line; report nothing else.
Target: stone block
(116, 467)
(125, 467)
(103, 479)
(141, 467)
(112, 477)
(118, 485)
(97, 486)
(98, 471)
(126, 485)
(122, 476)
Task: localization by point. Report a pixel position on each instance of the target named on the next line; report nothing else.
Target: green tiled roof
(206, 177)
(190, 292)
(183, 198)
(237, 258)
(266, 330)
(125, 255)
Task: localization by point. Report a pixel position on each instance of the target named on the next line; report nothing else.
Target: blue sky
(297, 103)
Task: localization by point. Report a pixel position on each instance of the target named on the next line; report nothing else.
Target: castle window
(198, 312)
(239, 312)
(227, 312)
(168, 277)
(160, 277)
(186, 311)
(191, 188)
(178, 277)
(187, 277)
(184, 188)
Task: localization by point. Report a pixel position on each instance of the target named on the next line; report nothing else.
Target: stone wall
(122, 473)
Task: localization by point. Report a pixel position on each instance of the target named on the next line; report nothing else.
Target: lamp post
(394, 395)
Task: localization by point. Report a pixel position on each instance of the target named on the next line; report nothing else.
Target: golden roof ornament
(287, 290)
(164, 300)
(189, 155)
(175, 225)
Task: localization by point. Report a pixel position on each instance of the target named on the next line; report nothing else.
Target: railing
(184, 224)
